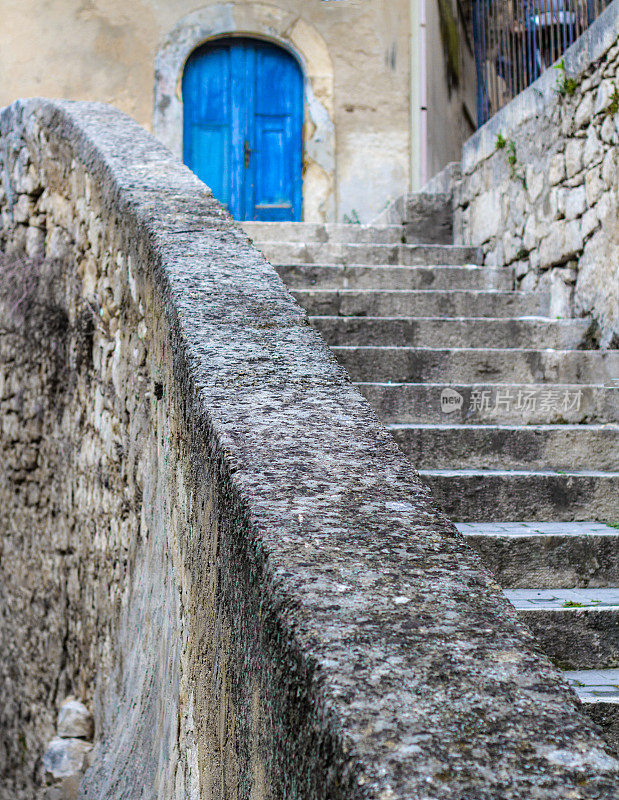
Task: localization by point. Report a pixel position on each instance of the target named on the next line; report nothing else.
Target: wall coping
(401, 649)
(542, 94)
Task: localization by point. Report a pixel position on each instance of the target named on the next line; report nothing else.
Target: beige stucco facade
(450, 100)
(361, 139)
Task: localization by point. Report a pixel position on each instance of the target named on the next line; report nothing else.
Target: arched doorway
(243, 126)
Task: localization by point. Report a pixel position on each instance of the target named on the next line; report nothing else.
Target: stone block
(520, 269)
(495, 257)
(517, 205)
(486, 218)
(25, 179)
(529, 282)
(606, 210)
(534, 231)
(594, 185)
(574, 157)
(563, 243)
(512, 245)
(23, 209)
(567, 124)
(65, 758)
(535, 182)
(609, 170)
(594, 150)
(550, 205)
(589, 223)
(597, 284)
(35, 242)
(556, 169)
(57, 243)
(561, 296)
(608, 131)
(584, 111)
(574, 202)
(55, 792)
(604, 95)
(429, 218)
(458, 225)
(74, 720)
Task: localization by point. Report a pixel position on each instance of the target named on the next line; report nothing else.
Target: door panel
(212, 146)
(272, 197)
(206, 130)
(243, 118)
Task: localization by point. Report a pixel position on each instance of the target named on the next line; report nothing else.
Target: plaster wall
(450, 103)
(355, 52)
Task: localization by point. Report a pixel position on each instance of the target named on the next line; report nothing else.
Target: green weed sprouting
(566, 86)
(353, 219)
(512, 158)
(613, 108)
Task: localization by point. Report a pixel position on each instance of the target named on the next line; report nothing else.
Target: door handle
(248, 151)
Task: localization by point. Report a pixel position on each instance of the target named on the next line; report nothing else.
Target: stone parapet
(210, 539)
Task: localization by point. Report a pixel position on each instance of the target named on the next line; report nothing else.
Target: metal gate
(516, 40)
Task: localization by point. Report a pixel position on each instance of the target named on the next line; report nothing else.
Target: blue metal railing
(516, 40)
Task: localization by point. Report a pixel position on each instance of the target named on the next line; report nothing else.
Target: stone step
(280, 252)
(320, 233)
(577, 628)
(424, 216)
(598, 691)
(535, 495)
(429, 217)
(333, 277)
(529, 332)
(470, 365)
(557, 447)
(548, 555)
(483, 403)
(421, 303)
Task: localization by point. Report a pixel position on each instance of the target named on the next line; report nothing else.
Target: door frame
(286, 30)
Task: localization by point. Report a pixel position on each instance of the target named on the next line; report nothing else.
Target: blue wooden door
(242, 127)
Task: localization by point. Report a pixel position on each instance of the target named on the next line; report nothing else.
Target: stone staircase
(508, 415)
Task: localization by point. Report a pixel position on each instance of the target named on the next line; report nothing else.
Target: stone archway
(290, 31)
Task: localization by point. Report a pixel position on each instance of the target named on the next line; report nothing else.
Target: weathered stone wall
(547, 201)
(207, 536)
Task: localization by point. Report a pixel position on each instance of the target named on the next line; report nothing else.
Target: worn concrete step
(279, 252)
(530, 332)
(598, 691)
(470, 365)
(536, 495)
(424, 216)
(421, 303)
(483, 403)
(320, 233)
(576, 628)
(548, 555)
(557, 447)
(429, 217)
(333, 277)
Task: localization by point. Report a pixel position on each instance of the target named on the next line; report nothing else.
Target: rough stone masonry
(540, 183)
(207, 536)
